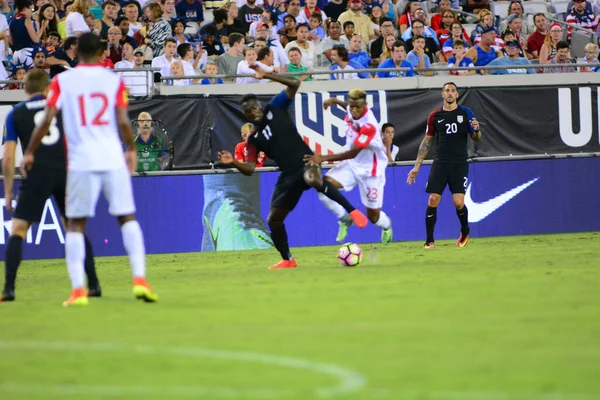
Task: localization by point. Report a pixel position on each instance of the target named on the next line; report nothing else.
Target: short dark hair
(235, 38)
(348, 23)
(183, 48)
(415, 37)
(54, 34)
(385, 126)
(247, 97)
(170, 40)
(538, 15)
(219, 15)
(22, 4)
(88, 45)
(294, 49)
(419, 21)
(70, 41)
(248, 48)
(342, 52)
(450, 83)
(385, 19)
(108, 3)
(399, 43)
(261, 39)
(317, 15)
(563, 44)
(262, 53)
(458, 42)
(120, 19)
(305, 25)
(506, 32)
(36, 81)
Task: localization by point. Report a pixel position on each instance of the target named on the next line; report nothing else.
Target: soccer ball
(349, 255)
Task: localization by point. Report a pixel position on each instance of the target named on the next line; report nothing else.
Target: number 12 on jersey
(95, 99)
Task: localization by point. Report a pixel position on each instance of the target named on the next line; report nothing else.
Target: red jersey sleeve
(238, 154)
(53, 93)
(252, 152)
(122, 99)
(431, 124)
(366, 134)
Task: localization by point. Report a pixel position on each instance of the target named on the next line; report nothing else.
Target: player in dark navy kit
(276, 135)
(47, 178)
(451, 125)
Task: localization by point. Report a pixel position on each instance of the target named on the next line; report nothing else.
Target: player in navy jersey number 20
(276, 135)
(451, 125)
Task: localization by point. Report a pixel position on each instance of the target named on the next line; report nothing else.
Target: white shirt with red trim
(88, 97)
(372, 159)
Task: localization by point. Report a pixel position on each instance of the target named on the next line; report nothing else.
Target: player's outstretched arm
(332, 100)
(36, 137)
(246, 168)
(316, 159)
(423, 150)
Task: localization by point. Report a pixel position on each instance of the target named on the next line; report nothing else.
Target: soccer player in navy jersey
(276, 135)
(451, 125)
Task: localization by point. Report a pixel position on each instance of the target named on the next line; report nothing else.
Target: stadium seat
(469, 28)
(560, 7)
(536, 6)
(501, 8)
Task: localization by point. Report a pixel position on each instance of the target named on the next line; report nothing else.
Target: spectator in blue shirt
(459, 59)
(316, 32)
(417, 56)
(398, 60)
(512, 58)
(355, 52)
(190, 11)
(211, 69)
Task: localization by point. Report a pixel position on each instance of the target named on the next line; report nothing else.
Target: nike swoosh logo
(479, 211)
(440, 120)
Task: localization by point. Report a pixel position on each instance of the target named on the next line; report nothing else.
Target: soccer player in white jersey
(363, 164)
(93, 101)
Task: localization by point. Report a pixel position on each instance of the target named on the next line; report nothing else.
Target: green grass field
(503, 319)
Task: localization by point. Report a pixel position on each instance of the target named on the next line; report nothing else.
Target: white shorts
(370, 187)
(84, 187)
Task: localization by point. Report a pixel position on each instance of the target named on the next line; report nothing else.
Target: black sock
(90, 264)
(430, 218)
(280, 240)
(463, 216)
(334, 194)
(13, 254)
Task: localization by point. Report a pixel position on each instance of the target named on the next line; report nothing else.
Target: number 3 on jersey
(98, 101)
(53, 134)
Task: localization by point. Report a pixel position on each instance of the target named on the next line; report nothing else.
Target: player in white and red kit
(93, 101)
(363, 164)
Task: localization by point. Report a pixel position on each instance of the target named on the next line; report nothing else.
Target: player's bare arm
(8, 169)
(316, 159)
(476, 136)
(423, 150)
(247, 168)
(332, 100)
(292, 84)
(36, 138)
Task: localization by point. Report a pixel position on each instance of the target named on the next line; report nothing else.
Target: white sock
(133, 240)
(384, 221)
(334, 207)
(75, 256)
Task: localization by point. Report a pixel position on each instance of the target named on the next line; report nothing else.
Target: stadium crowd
(298, 36)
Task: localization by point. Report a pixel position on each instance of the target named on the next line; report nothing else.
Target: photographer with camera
(150, 147)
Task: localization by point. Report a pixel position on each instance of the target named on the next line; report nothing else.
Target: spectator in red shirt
(536, 39)
(436, 20)
(241, 152)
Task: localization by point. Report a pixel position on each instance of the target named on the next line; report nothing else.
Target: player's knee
(19, 228)
(459, 202)
(434, 200)
(373, 215)
(274, 221)
(76, 225)
(313, 178)
(123, 219)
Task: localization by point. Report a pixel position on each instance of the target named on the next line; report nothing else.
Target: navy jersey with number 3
(451, 130)
(277, 136)
(20, 123)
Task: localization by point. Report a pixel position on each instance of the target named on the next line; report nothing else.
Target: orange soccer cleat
(429, 245)
(284, 264)
(359, 218)
(143, 291)
(464, 238)
(78, 298)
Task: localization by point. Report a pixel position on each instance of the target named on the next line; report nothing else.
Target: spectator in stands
(444, 32)
(334, 38)
(51, 45)
(266, 60)
(295, 64)
(508, 35)
(248, 67)
(341, 62)
(362, 22)
(417, 56)
(427, 31)
(483, 53)
(376, 15)
(348, 29)
(591, 53)
(67, 54)
(126, 57)
(123, 23)
(408, 14)
(233, 22)
(218, 25)
(212, 46)
(228, 61)
(250, 12)
(356, 54)
(169, 12)
(516, 8)
(280, 59)
(309, 56)
(159, 30)
(137, 83)
(580, 16)
(132, 14)
(190, 11)
(288, 33)
(123, 5)
(75, 22)
(114, 44)
(266, 30)
(387, 28)
(562, 57)
(47, 20)
(431, 47)
(150, 147)
(18, 74)
(486, 21)
(23, 33)
(437, 19)
(514, 24)
(387, 134)
(536, 39)
(104, 58)
(177, 70)
(511, 59)
(316, 33)
(109, 14)
(241, 152)
(178, 28)
(4, 38)
(335, 8)
(165, 60)
(398, 60)
(211, 69)
(459, 59)
(39, 58)
(293, 10)
(190, 63)
(548, 50)
(310, 8)
(457, 34)
(387, 50)
(6, 9)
